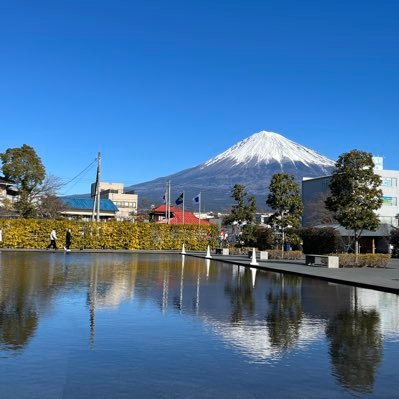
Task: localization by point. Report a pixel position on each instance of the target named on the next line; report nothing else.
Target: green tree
(24, 166)
(243, 213)
(355, 193)
(285, 199)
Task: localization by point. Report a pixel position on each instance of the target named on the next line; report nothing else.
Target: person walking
(68, 240)
(53, 240)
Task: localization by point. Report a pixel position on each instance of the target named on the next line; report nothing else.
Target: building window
(389, 182)
(390, 201)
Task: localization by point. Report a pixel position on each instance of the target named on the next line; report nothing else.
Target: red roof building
(158, 215)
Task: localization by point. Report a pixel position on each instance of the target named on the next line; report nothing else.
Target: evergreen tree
(243, 213)
(25, 168)
(355, 193)
(285, 199)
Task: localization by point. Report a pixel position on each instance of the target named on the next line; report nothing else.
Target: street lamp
(283, 212)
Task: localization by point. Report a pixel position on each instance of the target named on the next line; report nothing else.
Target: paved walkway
(383, 279)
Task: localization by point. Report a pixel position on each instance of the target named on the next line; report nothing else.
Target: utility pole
(96, 202)
(98, 186)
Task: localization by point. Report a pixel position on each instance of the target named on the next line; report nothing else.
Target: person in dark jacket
(68, 240)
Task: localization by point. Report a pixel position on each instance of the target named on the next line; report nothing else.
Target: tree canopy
(243, 214)
(245, 208)
(285, 199)
(355, 193)
(23, 166)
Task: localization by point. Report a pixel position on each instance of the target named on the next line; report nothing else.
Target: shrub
(395, 241)
(363, 260)
(289, 255)
(264, 238)
(34, 233)
(321, 240)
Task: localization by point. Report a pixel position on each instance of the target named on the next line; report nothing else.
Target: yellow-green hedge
(35, 233)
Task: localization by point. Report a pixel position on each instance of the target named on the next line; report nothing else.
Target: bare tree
(318, 212)
(48, 205)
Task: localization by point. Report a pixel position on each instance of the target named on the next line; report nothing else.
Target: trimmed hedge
(363, 260)
(321, 241)
(35, 233)
(290, 255)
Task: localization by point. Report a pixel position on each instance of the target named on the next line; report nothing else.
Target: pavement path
(382, 279)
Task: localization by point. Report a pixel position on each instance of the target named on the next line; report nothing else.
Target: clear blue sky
(160, 86)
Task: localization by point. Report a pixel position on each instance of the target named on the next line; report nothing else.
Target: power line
(80, 173)
(75, 179)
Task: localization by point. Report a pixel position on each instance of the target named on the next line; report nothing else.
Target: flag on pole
(197, 199)
(179, 199)
(164, 198)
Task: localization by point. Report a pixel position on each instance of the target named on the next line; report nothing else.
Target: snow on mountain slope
(251, 162)
(267, 147)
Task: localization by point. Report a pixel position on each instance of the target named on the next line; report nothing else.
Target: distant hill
(251, 162)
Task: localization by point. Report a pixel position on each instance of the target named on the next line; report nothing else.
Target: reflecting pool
(82, 325)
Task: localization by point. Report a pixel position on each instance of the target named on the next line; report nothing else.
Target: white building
(314, 189)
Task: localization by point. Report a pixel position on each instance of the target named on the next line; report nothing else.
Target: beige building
(125, 202)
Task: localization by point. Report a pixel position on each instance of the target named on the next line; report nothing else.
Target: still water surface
(159, 326)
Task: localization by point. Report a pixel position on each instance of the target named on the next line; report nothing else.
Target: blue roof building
(82, 208)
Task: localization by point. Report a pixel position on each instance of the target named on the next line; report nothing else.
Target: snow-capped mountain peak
(269, 147)
(251, 162)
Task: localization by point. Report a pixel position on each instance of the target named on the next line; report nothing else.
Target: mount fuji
(251, 162)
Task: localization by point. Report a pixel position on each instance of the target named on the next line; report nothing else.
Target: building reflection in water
(262, 315)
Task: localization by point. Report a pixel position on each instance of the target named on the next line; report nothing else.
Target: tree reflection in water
(285, 311)
(241, 296)
(16, 327)
(356, 347)
(18, 315)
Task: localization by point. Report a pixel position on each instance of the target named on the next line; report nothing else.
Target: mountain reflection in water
(264, 320)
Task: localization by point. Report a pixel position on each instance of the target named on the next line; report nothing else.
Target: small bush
(321, 241)
(363, 260)
(395, 241)
(289, 255)
(265, 238)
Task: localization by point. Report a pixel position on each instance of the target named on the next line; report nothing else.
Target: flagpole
(169, 204)
(199, 209)
(166, 202)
